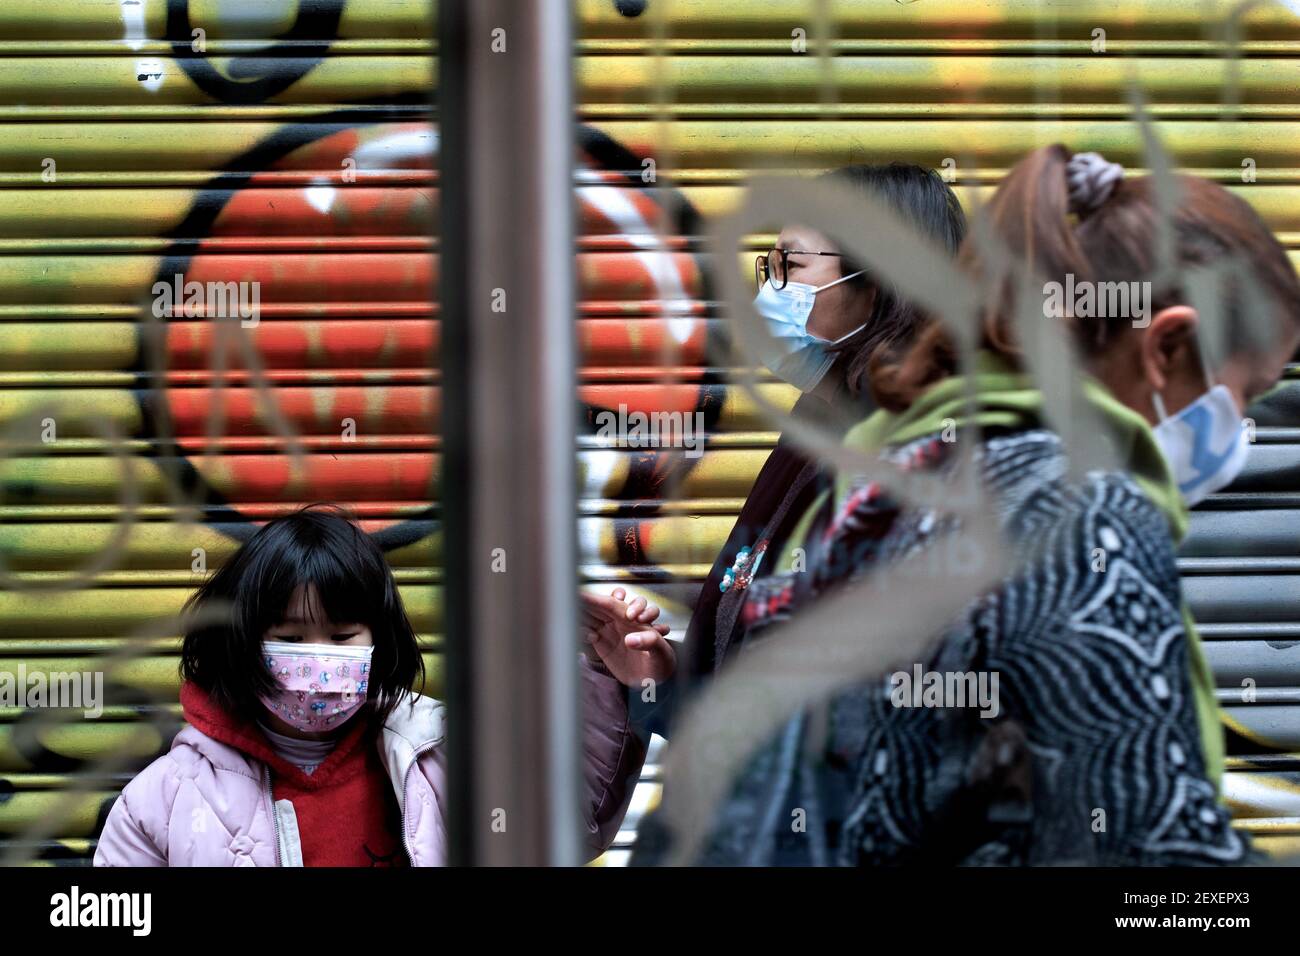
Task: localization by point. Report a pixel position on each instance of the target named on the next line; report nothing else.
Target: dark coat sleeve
(613, 755)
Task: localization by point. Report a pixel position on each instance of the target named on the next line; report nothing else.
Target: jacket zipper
(275, 819)
(415, 759)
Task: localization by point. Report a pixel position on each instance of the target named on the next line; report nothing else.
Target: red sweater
(347, 811)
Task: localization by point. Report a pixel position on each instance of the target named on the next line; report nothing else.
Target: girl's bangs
(344, 592)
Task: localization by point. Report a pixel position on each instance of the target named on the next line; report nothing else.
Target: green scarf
(1008, 398)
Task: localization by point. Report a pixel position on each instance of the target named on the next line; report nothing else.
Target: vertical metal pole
(508, 485)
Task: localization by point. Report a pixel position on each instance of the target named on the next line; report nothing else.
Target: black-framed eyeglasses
(776, 265)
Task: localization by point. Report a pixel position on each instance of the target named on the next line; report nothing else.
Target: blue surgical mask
(796, 355)
(1205, 443)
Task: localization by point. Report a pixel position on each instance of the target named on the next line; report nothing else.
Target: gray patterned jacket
(1095, 755)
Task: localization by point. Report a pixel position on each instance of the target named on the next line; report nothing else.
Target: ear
(869, 299)
(1171, 333)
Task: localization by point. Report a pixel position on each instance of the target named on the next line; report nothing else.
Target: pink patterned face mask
(319, 685)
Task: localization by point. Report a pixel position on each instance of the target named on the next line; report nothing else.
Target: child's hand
(625, 638)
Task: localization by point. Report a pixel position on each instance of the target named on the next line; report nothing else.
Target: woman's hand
(626, 638)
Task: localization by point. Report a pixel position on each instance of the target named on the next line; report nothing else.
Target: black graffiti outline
(313, 29)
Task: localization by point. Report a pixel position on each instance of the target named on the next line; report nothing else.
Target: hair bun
(1090, 178)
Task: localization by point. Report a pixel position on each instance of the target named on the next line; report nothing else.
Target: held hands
(626, 638)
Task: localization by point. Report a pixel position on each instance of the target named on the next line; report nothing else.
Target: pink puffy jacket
(201, 779)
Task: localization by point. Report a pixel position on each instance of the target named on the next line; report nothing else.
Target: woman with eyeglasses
(830, 318)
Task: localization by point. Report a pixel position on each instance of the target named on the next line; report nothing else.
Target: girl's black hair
(920, 196)
(319, 544)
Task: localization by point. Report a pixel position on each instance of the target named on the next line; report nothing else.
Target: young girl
(306, 744)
